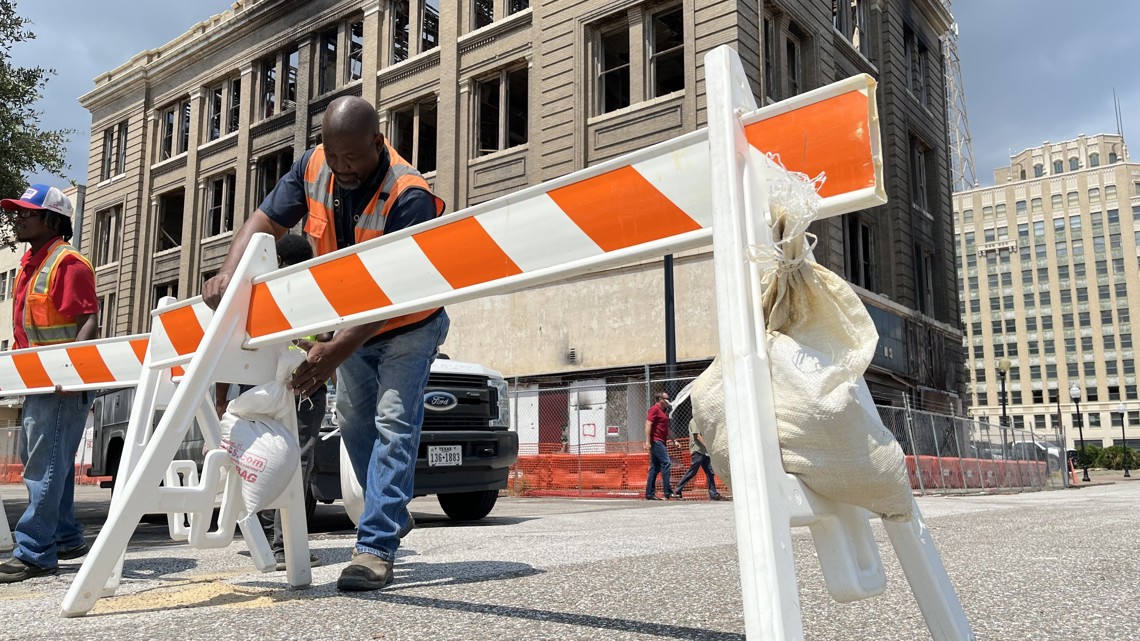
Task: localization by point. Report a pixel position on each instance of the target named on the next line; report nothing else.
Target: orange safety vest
(43, 323)
(320, 194)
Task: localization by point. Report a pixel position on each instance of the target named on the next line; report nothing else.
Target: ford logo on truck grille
(440, 401)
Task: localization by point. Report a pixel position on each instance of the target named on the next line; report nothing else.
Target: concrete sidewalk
(1055, 565)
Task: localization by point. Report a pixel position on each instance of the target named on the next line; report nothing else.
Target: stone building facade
(1048, 274)
(489, 96)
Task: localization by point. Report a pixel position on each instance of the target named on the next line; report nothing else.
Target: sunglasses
(24, 214)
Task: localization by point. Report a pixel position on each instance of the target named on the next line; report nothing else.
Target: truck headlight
(503, 417)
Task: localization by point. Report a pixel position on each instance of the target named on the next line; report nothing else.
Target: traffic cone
(1072, 472)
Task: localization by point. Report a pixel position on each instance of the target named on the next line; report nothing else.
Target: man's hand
(214, 288)
(319, 367)
(647, 446)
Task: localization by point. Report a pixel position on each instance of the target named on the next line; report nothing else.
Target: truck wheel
(310, 504)
(468, 506)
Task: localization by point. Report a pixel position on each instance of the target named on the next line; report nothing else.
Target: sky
(1033, 70)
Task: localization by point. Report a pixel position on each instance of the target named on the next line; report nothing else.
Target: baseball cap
(41, 197)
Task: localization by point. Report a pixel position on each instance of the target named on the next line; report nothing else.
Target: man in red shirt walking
(54, 303)
(656, 433)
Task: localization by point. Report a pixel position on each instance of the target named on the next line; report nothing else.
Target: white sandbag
(820, 341)
(259, 430)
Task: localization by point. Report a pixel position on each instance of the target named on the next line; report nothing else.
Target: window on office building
(414, 134)
(270, 169)
(175, 127)
(220, 205)
(170, 214)
(114, 151)
(501, 111)
(859, 252)
(849, 18)
(108, 224)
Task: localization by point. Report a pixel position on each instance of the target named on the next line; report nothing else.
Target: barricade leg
(6, 542)
(928, 579)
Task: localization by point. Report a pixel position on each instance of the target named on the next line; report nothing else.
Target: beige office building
(486, 97)
(1047, 270)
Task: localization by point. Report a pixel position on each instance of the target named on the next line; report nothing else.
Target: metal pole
(1081, 432)
(1124, 443)
(670, 331)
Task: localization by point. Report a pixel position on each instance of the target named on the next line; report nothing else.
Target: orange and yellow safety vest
(320, 196)
(43, 323)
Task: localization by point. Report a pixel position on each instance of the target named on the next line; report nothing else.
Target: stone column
(243, 184)
(305, 51)
(192, 205)
(374, 56)
(451, 156)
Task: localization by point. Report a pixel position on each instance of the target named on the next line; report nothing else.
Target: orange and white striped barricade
(101, 364)
(767, 500)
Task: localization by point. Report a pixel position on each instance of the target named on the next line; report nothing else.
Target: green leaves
(24, 146)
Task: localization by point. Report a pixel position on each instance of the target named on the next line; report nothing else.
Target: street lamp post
(1123, 409)
(1075, 394)
(1003, 367)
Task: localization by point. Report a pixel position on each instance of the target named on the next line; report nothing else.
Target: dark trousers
(309, 418)
(659, 463)
(700, 462)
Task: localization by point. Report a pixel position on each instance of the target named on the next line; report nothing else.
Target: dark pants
(700, 462)
(309, 418)
(659, 463)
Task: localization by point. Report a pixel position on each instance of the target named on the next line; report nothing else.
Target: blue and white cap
(41, 197)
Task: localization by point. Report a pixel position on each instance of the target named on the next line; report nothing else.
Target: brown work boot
(365, 572)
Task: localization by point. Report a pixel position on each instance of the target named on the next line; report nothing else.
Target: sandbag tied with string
(820, 342)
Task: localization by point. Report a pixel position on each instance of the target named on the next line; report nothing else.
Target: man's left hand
(319, 367)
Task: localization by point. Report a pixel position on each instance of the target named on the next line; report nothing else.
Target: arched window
(1058, 166)
(1038, 170)
(1023, 174)
(1074, 164)
(1111, 157)
(1094, 160)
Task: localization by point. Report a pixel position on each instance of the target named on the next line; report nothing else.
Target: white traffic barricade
(569, 226)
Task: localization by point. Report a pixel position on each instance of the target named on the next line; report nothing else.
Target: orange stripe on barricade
(819, 138)
(265, 317)
(89, 364)
(177, 370)
(465, 254)
(348, 286)
(139, 346)
(31, 370)
(183, 329)
(621, 209)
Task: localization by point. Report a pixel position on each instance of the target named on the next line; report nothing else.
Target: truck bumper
(487, 458)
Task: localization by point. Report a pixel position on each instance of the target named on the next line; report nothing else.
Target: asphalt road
(1045, 566)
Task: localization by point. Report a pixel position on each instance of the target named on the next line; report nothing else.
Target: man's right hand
(213, 289)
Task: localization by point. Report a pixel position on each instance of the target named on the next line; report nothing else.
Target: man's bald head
(350, 115)
(352, 139)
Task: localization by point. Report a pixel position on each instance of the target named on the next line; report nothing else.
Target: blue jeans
(380, 407)
(659, 462)
(53, 427)
(700, 462)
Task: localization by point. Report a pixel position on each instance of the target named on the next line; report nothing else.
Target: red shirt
(72, 293)
(659, 421)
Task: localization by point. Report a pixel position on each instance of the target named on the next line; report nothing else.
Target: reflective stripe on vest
(320, 196)
(43, 323)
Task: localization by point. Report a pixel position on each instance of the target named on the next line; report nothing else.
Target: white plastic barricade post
(768, 501)
(6, 542)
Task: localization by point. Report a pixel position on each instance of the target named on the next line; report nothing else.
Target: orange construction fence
(623, 468)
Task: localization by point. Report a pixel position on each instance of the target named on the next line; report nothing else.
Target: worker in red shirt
(54, 303)
(656, 433)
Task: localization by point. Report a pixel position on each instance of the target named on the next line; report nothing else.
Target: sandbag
(259, 431)
(820, 342)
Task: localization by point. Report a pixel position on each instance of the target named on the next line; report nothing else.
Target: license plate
(444, 455)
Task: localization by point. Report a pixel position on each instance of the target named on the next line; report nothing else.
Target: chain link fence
(588, 439)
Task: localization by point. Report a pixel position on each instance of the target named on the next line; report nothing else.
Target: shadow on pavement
(548, 616)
